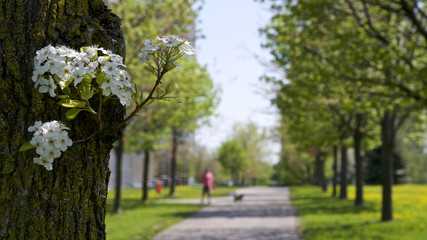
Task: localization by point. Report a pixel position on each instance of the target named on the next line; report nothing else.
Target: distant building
(132, 170)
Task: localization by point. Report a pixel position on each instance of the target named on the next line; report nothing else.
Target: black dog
(238, 197)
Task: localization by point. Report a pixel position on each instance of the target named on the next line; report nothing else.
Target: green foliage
(246, 155)
(26, 146)
(323, 217)
(192, 93)
(294, 166)
(232, 158)
(344, 59)
(254, 142)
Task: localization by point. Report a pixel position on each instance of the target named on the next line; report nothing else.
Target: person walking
(208, 185)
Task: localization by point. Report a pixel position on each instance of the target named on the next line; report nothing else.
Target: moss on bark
(68, 202)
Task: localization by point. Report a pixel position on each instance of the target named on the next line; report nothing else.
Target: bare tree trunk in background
(175, 135)
(323, 181)
(335, 171)
(387, 139)
(145, 178)
(68, 202)
(343, 178)
(118, 188)
(307, 168)
(357, 141)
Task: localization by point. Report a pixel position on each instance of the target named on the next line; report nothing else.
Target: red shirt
(208, 180)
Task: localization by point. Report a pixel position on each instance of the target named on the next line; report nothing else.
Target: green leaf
(87, 78)
(25, 147)
(170, 87)
(150, 69)
(100, 79)
(64, 97)
(72, 113)
(66, 91)
(86, 95)
(83, 49)
(64, 84)
(69, 103)
(171, 66)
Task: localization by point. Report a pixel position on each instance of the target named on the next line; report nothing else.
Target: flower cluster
(62, 66)
(49, 139)
(173, 45)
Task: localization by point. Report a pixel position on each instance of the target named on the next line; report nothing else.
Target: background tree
(68, 202)
(198, 99)
(384, 73)
(254, 142)
(143, 19)
(232, 158)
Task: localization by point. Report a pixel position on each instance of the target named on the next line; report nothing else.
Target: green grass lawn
(327, 218)
(144, 220)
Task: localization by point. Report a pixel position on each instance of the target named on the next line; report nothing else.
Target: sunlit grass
(180, 192)
(324, 217)
(144, 220)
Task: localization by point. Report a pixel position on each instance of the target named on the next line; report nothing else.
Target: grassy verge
(180, 192)
(324, 217)
(144, 220)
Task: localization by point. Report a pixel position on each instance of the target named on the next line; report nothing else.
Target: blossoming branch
(75, 77)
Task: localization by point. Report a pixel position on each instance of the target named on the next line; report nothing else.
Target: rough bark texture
(145, 179)
(343, 177)
(387, 140)
(68, 202)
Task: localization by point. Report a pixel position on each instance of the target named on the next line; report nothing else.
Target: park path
(265, 213)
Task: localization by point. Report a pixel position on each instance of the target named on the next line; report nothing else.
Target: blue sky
(229, 48)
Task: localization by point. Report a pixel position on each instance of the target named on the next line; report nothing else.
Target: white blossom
(50, 139)
(35, 127)
(187, 49)
(62, 66)
(48, 87)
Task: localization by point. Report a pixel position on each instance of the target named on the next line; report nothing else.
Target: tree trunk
(308, 170)
(335, 171)
(119, 159)
(343, 178)
(316, 172)
(68, 202)
(175, 135)
(387, 139)
(145, 176)
(357, 140)
(322, 172)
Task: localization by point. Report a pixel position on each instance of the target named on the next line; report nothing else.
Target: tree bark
(387, 139)
(343, 178)
(335, 171)
(68, 202)
(175, 135)
(119, 163)
(357, 140)
(145, 176)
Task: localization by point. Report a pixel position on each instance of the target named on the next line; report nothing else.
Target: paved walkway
(264, 214)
